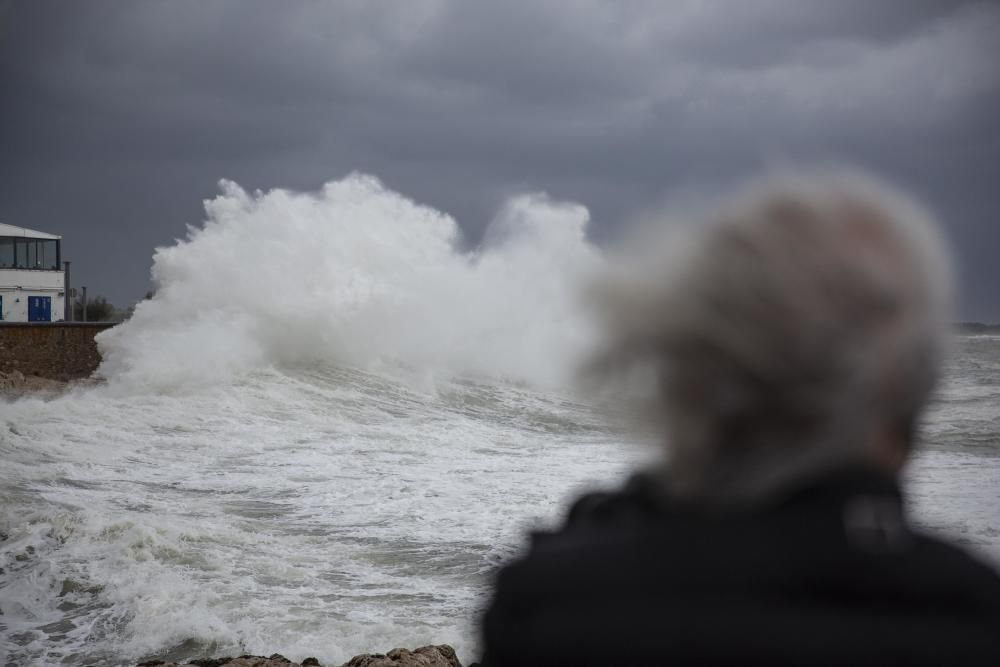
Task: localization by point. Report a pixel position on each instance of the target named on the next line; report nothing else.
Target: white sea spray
(359, 275)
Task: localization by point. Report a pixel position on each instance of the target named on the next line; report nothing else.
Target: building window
(18, 253)
(6, 253)
(48, 254)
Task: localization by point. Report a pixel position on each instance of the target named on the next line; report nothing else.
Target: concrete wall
(58, 351)
(17, 285)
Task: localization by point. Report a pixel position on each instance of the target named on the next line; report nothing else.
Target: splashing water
(362, 276)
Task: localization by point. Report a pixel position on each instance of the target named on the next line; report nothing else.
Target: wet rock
(275, 660)
(425, 656)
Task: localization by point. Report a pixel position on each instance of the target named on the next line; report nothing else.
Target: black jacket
(830, 574)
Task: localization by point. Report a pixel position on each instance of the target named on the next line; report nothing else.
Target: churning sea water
(329, 428)
(312, 512)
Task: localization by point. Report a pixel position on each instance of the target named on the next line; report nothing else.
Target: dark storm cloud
(120, 117)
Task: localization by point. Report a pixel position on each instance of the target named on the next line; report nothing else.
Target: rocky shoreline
(425, 656)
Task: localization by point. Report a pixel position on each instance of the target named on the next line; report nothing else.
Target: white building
(32, 286)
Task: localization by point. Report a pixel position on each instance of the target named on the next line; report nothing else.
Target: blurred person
(793, 341)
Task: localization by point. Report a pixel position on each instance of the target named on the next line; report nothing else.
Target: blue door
(39, 308)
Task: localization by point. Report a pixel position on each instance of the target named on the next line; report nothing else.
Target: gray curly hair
(781, 333)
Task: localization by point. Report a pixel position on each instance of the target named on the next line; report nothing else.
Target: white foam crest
(361, 275)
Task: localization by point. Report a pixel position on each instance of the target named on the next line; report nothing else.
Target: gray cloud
(120, 117)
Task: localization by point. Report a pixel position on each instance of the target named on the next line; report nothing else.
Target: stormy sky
(118, 118)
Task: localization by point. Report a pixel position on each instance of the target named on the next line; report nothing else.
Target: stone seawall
(57, 351)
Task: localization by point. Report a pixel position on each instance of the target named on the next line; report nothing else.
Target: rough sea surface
(237, 485)
(316, 512)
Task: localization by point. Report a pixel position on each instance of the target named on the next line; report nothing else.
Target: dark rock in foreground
(425, 656)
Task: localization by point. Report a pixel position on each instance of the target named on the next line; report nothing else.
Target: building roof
(11, 230)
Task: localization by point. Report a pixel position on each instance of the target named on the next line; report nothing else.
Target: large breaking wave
(359, 275)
